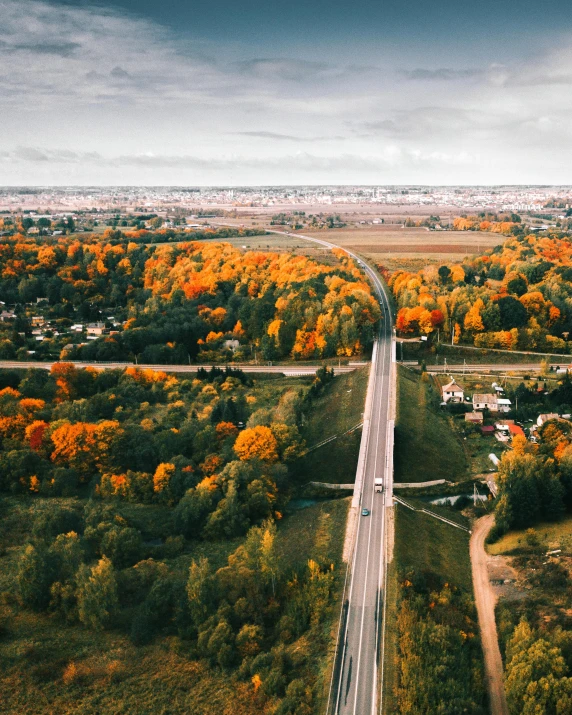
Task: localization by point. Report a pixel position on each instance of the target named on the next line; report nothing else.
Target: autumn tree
(257, 443)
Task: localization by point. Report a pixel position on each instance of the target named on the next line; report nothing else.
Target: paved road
(355, 690)
(485, 600)
(289, 370)
(459, 368)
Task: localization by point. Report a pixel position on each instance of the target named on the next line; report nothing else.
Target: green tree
(199, 586)
(36, 573)
(97, 595)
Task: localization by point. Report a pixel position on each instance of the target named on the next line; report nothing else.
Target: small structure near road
(452, 392)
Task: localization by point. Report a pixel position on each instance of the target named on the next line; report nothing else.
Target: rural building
(544, 418)
(452, 392)
(476, 417)
(7, 315)
(231, 344)
(488, 430)
(516, 430)
(490, 402)
(95, 328)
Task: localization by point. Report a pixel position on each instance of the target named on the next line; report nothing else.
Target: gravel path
(485, 600)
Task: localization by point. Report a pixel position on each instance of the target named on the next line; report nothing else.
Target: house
(231, 344)
(452, 392)
(37, 320)
(487, 430)
(7, 315)
(95, 329)
(544, 418)
(504, 404)
(491, 402)
(485, 402)
(475, 417)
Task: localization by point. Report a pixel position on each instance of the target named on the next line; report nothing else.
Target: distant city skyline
(133, 92)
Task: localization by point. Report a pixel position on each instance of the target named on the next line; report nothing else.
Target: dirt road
(485, 600)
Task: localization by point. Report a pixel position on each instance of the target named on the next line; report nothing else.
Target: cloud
(292, 70)
(444, 74)
(276, 136)
(60, 49)
(119, 73)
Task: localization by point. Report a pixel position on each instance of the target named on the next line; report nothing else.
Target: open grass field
(550, 535)
(426, 447)
(337, 410)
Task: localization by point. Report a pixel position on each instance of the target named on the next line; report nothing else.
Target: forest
(210, 460)
(440, 667)
(518, 295)
(178, 303)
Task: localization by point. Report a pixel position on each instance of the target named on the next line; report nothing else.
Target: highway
(357, 687)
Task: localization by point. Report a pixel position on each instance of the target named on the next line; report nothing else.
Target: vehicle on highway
(365, 512)
(378, 484)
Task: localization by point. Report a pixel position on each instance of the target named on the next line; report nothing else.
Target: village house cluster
(494, 406)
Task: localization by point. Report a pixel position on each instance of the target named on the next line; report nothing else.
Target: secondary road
(458, 368)
(485, 600)
(355, 690)
(288, 370)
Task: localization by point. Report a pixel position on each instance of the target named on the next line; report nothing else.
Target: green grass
(551, 536)
(338, 409)
(425, 446)
(426, 544)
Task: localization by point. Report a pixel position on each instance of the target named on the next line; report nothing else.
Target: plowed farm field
(383, 243)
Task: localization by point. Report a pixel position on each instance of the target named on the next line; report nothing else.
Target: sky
(256, 92)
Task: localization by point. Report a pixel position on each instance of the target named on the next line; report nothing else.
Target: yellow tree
(473, 319)
(257, 443)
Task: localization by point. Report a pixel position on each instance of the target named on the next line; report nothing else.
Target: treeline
(255, 619)
(516, 296)
(439, 653)
(178, 304)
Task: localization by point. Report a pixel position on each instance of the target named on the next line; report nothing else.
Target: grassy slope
(551, 536)
(338, 409)
(425, 446)
(426, 544)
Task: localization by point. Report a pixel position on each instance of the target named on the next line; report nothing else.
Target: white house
(452, 392)
(491, 402)
(541, 419)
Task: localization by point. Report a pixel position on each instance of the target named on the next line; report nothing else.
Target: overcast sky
(307, 91)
